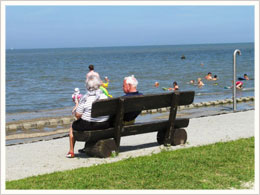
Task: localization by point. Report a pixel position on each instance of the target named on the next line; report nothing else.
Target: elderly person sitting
(130, 89)
(84, 120)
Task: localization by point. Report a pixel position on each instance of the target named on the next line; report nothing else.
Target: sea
(44, 79)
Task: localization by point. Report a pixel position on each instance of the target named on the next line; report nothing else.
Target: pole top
(237, 51)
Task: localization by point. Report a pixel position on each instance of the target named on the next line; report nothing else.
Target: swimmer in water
(246, 77)
(200, 83)
(156, 84)
(192, 82)
(175, 87)
(209, 76)
(215, 78)
(239, 84)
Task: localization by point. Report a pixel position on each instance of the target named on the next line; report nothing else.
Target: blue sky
(101, 26)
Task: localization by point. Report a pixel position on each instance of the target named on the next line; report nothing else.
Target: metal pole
(237, 51)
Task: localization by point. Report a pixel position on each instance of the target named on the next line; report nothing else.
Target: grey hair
(93, 83)
(131, 80)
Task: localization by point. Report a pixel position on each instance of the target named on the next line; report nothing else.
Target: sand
(42, 157)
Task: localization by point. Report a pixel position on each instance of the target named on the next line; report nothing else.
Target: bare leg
(71, 140)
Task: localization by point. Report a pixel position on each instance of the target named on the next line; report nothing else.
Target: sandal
(70, 155)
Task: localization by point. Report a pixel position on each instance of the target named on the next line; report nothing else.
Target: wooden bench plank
(144, 102)
(153, 126)
(93, 135)
(138, 128)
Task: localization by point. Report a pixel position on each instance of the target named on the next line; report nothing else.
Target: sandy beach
(25, 160)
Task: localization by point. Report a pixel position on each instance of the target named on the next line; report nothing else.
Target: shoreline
(31, 130)
(25, 138)
(49, 155)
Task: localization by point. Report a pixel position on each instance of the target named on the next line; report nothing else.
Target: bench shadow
(81, 155)
(142, 146)
(122, 149)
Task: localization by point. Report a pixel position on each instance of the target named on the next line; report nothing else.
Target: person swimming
(156, 84)
(192, 82)
(208, 76)
(245, 77)
(175, 86)
(200, 83)
(215, 78)
(239, 84)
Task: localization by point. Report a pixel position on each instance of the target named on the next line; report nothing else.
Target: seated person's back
(130, 89)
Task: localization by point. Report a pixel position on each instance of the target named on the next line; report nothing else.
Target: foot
(70, 155)
(82, 150)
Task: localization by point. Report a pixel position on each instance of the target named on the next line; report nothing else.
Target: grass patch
(217, 166)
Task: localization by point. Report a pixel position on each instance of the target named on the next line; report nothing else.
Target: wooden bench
(100, 143)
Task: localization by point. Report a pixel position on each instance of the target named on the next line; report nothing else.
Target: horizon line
(11, 48)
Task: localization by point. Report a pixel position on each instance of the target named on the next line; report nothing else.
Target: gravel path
(42, 157)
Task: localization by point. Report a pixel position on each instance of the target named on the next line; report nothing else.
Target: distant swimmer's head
(175, 83)
(156, 84)
(192, 81)
(245, 76)
(91, 67)
(209, 73)
(215, 76)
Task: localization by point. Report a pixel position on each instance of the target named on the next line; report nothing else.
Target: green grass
(217, 166)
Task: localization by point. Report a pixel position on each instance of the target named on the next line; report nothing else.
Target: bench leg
(101, 149)
(179, 137)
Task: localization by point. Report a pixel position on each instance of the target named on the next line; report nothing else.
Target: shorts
(83, 125)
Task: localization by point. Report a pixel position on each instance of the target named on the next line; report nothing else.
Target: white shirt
(85, 106)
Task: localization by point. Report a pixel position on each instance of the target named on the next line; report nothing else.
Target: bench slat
(137, 103)
(95, 135)
(153, 126)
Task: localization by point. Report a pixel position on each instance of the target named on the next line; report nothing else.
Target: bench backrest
(142, 102)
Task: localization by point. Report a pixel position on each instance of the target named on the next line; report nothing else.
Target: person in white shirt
(84, 120)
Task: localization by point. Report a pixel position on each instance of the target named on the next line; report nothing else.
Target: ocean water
(43, 79)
